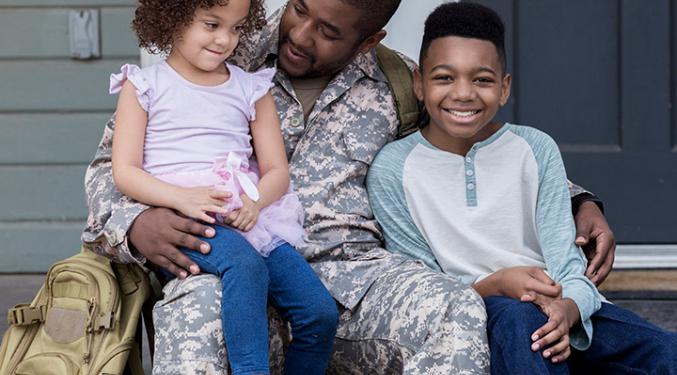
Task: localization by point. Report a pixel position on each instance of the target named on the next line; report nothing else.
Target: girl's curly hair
(156, 22)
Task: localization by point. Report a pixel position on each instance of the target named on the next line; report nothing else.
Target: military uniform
(397, 316)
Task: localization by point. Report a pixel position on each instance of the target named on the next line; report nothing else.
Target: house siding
(52, 112)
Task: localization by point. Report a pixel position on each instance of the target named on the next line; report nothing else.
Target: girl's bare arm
(133, 181)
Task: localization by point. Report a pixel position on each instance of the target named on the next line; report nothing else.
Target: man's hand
(597, 240)
(553, 336)
(159, 232)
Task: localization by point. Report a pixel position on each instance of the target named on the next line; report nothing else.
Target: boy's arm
(387, 200)
(556, 232)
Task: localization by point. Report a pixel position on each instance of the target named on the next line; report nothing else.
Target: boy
(488, 203)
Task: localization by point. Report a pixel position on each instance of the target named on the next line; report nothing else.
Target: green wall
(52, 113)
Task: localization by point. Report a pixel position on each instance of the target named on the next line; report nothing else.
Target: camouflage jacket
(329, 155)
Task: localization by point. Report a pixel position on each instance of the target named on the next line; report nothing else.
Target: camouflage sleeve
(579, 195)
(575, 190)
(111, 213)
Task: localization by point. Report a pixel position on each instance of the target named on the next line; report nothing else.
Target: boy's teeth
(462, 113)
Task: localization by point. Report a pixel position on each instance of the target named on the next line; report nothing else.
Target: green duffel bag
(84, 320)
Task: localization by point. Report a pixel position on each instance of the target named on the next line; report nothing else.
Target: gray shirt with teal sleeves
(504, 204)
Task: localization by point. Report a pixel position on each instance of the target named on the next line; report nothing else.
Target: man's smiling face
(318, 37)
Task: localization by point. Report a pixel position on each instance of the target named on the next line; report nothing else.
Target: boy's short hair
(467, 20)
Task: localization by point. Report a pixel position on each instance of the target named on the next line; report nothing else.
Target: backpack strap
(400, 80)
(147, 313)
(24, 314)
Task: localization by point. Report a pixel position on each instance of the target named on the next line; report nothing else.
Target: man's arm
(593, 234)
(116, 222)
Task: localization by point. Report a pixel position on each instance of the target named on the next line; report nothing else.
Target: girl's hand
(197, 202)
(553, 337)
(245, 217)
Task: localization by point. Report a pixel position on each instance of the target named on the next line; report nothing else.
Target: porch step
(650, 294)
(659, 281)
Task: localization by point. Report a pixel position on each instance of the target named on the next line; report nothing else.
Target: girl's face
(211, 37)
(462, 85)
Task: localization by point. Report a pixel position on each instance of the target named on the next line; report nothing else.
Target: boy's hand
(528, 284)
(197, 202)
(597, 240)
(245, 217)
(553, 337)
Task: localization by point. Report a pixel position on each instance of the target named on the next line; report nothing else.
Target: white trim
(645, 256)
(148, 58)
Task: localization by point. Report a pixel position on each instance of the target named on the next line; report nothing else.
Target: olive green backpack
(84, 320)
(401, 84)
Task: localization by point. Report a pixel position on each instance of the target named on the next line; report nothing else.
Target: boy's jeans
(622, 343)
(287, 281)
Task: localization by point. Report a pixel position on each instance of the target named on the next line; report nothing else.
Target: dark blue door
(599, 76)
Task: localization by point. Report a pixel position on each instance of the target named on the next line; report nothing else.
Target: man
(336, 111)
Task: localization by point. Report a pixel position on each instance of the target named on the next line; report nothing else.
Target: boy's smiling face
(462, 84)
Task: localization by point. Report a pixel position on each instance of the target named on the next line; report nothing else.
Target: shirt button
(295, 122)
(469, 172)
(471, 186)
(468, 159)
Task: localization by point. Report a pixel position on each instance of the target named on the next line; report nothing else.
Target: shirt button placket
(470, 192)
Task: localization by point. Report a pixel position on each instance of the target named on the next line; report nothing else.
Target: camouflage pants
(411, 321)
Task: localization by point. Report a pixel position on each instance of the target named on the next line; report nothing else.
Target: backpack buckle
(24, 315)
(105, 321)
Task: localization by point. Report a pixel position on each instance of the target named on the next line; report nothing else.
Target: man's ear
(418, 84)
(505, 90)
(372, 41)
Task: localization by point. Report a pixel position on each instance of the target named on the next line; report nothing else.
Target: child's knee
(320, 318)
(326, 314)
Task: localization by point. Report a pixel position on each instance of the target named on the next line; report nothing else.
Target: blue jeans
(284, 278)
(622, 342)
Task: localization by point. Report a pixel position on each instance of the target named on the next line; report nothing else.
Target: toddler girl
(185, 131)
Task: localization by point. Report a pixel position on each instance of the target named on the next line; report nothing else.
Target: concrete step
(659, 307)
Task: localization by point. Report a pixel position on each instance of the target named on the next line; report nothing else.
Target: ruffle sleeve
(134, 74)
(262, 81)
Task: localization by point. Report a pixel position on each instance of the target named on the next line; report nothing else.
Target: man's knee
(195, 301)
(188, 323)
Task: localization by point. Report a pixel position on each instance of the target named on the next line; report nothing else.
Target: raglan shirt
(504, 204)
